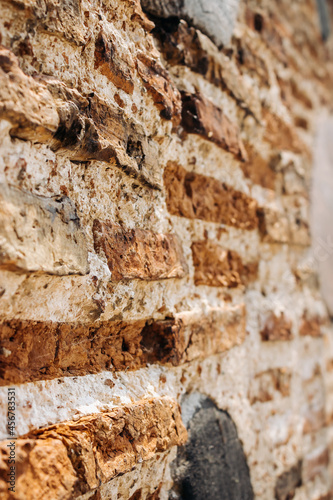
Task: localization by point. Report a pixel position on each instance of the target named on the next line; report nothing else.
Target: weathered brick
(288, 481)
(112, 64)
(139, 253)
(276, 328)
(266, 384)
(273, 226)
(184, 45)
(311, 326)
(158, 82)
(216, 266)
(257, 169)
(201, 116)
(283, 136)
(41, 234)
(99, 447)
(277, 226)
(37, 350)
(314, 413)
(197, 196)
(192, 335)
(251, 61)
(271, 30)
(42, 468)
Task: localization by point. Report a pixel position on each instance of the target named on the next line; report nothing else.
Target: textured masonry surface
(160, 314)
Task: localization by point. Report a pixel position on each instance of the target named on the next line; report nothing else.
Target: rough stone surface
(191, 335)
(266, 384)
(50, 112)
(110, 64)
(157, 81)
(277, 328)
(186, 167)
(40, 234)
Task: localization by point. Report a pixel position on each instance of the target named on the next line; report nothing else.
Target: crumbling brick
(277, 328)
(200, 116)
(198, 196)
(92, 450)
(217, 266)
(139, 254)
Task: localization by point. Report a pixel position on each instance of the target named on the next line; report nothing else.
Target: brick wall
(156, 268)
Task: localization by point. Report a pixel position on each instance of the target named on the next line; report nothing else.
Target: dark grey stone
(215, 18)
(212, 464)
(288, 482)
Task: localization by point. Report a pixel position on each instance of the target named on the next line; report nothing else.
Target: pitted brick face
(197, 196)
(138, 253)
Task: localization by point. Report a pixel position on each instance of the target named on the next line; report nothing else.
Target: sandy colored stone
(313, 410)
(86, 127)
(198, 196)
(138, 253)
(62, 19)
(258, 169)
(273, 225)
(43, 470)
(41, 234)
(217, 266)
(283, 136)
(201, 116)
(311, 326)
(25, 103)
(68, 128)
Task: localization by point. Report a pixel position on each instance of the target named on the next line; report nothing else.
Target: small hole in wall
(258, 22)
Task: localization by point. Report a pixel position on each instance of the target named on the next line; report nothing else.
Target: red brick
(139, 253)
(80, 455)
(197, 196)
(265, 385)
(200, 116)
(276, 328)
(216, 266)
(157, 80)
